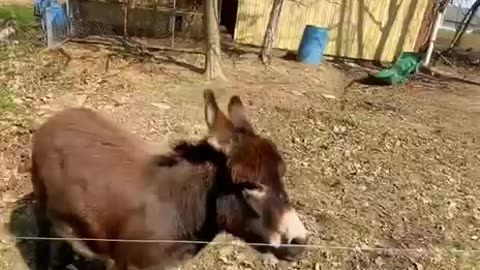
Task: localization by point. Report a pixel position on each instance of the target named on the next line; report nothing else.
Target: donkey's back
(86, 171)
(84, 130)
(77, 145)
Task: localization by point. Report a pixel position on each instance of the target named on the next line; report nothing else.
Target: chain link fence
(157, 24)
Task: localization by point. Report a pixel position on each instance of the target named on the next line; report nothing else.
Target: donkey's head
(260, 210)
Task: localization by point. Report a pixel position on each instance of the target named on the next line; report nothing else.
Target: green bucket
(407, 64)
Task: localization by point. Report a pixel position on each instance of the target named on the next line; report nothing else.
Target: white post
(433, 38)
(49, 26)
(69, 18)
(172, 23)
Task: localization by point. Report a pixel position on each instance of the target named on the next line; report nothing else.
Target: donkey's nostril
(291, 251)
(292, 228)
(298, 241)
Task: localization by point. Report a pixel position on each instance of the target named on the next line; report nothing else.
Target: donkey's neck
(229, 214)
(224, 212)
(191, 178)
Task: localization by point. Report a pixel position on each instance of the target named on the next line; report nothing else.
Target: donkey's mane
(195, 197)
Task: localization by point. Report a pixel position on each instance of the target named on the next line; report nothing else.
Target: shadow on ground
(22, 224)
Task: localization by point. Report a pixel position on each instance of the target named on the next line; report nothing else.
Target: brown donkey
(92, 179)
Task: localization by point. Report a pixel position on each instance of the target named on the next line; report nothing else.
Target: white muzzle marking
(290, 227)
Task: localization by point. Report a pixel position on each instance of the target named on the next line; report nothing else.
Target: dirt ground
(381, 168)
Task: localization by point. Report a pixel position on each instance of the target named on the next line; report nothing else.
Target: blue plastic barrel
(312, 46)
(55, 23)
(59, 18)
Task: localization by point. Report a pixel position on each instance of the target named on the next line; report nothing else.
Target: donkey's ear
(220, 129)
(238, 116)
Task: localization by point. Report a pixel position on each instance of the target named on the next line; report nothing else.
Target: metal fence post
(49, 26)
(173, 19)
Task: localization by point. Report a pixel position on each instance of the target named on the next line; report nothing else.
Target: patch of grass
(22, 14)
(6, 100)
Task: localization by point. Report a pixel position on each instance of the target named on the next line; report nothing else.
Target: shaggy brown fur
(94, 180)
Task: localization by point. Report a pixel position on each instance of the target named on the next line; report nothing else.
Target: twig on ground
(435, 72)
(449, 62)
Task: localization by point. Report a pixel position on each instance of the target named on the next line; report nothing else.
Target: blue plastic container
(53, 19)
(39, 7)
(313, 44)
(58, 16)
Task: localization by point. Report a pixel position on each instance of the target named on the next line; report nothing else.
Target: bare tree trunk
(213, 63)
(272, 30)
(464, 24)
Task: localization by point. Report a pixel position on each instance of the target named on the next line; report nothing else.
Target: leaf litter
(392, 168)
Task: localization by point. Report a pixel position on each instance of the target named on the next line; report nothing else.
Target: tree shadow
(233, 49)
(131, 45)
(340, 29)
(371, 81)
(360, 28)
(290, 56)
(408, 19)
(393, 8)
(170, 59)
(383, 25)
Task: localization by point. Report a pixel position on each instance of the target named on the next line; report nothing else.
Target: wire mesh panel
(95, 18)
(151, 23)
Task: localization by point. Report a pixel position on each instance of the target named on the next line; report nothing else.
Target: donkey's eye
(252, 204)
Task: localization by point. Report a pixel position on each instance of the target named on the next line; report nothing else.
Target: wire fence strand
(306, 246)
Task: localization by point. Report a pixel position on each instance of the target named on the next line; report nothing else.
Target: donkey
(93, 180)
